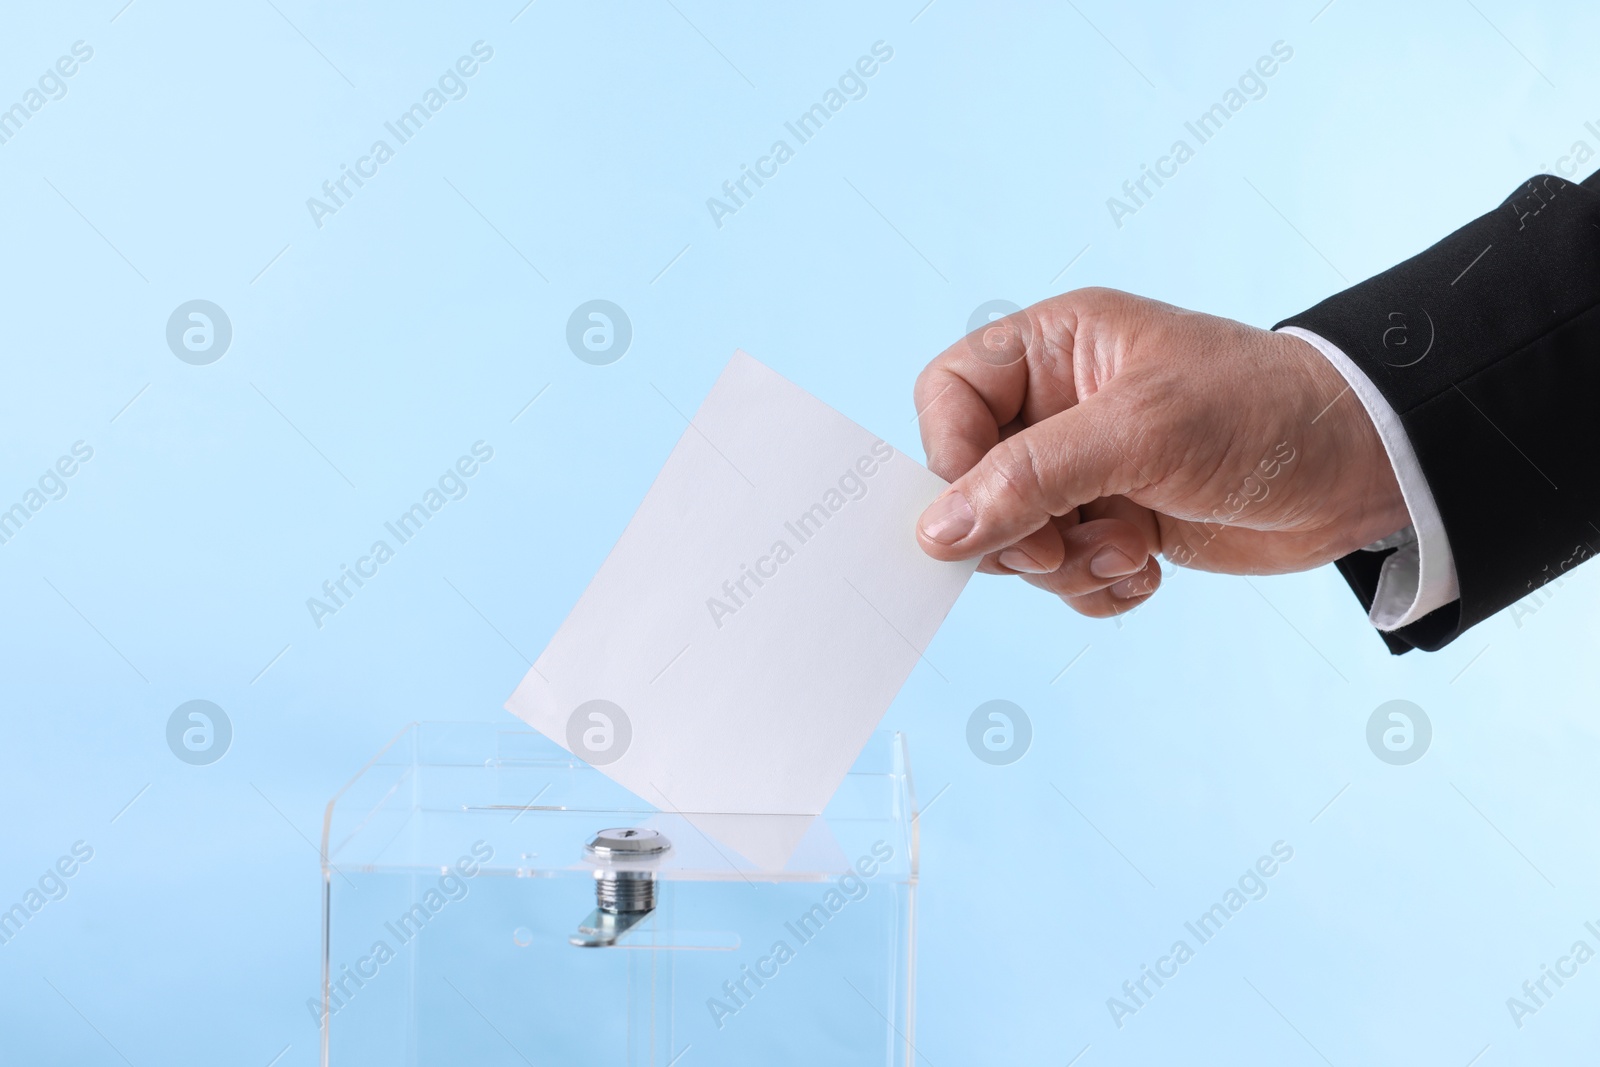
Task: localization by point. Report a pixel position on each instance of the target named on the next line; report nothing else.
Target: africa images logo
(199, 732)
(199, 332)
(599, 332)
(1399, 732)
(999, 732)
(599, 732)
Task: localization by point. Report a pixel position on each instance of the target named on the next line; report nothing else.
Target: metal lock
(624, 883)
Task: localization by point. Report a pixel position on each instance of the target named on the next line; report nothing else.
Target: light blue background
(1220, 718)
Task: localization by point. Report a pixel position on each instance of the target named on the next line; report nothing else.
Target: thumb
(1075, 456)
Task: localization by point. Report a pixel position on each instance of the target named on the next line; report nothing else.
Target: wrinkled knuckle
(1074, 585)
(926, 385)
(1070, 579)
(1090, 606)
(1018, 473)
(1057, 581)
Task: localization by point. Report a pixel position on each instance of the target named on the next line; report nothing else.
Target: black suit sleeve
(1487, 346)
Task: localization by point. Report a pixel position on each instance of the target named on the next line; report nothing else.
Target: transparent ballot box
(490, 899)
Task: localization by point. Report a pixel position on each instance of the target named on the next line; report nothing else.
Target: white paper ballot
(757, 616)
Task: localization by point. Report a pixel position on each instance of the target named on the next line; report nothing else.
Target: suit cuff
(1419, 575)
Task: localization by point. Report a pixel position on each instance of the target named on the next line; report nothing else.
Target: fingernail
(1112, 562)
(948, 519)
(1019, 560)
(1129, 588)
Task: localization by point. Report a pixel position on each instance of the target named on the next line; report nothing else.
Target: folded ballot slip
(756, 618)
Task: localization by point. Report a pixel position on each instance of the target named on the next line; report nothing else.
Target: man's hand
(1091, 431)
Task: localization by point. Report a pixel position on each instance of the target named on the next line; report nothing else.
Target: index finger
(1001, 372)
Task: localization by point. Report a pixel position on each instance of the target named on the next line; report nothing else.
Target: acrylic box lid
(438, 788)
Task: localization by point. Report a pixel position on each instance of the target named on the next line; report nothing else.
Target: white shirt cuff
(1420, 575)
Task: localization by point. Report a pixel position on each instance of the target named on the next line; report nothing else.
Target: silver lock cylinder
(625, 891)
(624, 883)
(627, 843)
